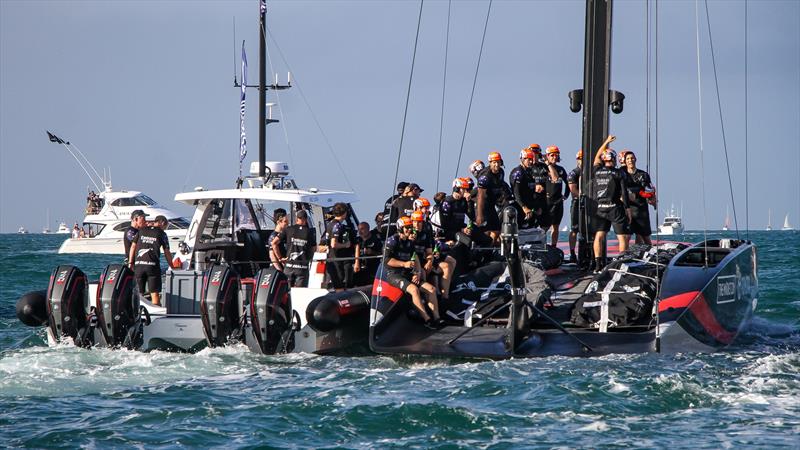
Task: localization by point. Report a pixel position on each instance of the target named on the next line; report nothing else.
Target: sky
(145, 88)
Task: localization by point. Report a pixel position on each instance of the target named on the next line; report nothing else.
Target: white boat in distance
(769, 221)
(786, 225)
(105, 229)
(62, 228)
(673, 224)
(22, 230)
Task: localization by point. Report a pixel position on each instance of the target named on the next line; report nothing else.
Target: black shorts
(552, 215)
(400, 280)
(641, 221)
(148, 277)
(574, 216)
(340, 273)
(491, 221)
(297, 277)
(616, 216)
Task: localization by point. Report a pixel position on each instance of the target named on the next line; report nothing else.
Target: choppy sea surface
(64, 397)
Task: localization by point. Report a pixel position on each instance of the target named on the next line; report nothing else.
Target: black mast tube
(596, 81)
(262, 91)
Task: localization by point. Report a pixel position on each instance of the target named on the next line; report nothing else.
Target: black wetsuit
(453, 214)
(640, 212)
(524, 188)
(556, 192)
(147, 265)
(298, 241)
(402, 250)
(343, 233)
(574, 177)
(611, 199)
(498, 195)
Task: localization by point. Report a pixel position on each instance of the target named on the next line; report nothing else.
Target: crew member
(404, 271)
(145, 256)
(556, 191)
(298, 241)
(493, 193)
(387, 206)
(611, 201)
(641, 193)
(453, 213)
(137, 222)
(277, 248)
(369, 245)
(523, 187)
(437, 265)
(573, 182)
(342, 249)
(404, 205)
(540, 175)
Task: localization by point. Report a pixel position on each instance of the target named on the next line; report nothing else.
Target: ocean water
(64, 397)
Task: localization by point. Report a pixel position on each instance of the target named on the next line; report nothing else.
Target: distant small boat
(22, 230)
(46, 229)
(769, 221)
(63, 229)
(673, 224)
(786, 225)
(565, 228)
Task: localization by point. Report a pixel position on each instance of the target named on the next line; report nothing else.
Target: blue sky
(145, 88)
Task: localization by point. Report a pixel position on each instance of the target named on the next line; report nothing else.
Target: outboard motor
(219, 304)
(66, 297)
(32, 308)
(271, 312)
(117, 305)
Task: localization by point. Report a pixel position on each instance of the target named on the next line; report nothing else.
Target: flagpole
(262, 91)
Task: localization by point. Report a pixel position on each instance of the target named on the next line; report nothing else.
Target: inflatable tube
(338, 309)
(32, 308)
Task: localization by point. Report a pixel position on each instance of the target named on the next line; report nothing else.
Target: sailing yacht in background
(46, 229)
(727, 225)
(769, 220)
(786, 225)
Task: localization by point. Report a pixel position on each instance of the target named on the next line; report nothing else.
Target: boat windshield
(139, 200)
(216, 223)
(179, 223)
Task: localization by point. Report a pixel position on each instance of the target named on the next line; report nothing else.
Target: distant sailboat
(46, 229)
(769, 221)
(727, 225)
(786, 225)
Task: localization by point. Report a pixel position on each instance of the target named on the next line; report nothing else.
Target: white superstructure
(672, 224)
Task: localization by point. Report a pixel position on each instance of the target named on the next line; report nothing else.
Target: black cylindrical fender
(32, 308)
(337, 309)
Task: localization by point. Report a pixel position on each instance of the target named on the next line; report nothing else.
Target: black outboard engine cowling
(271, 312)
(66, 300)
(117, 306)
(219, 304)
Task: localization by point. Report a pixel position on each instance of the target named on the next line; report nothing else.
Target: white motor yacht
(673, 224)
(22, 230)
(104, 226)
(63, 228)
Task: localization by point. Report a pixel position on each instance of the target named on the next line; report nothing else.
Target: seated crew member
(523, 187)
(493, 193)
(611, 203)
(453, 212)
(404, 271)
(298, 241)
(556, 191)
(145, 255)
(277, 248)
(436, 265)
(540, 175)
(342, 248)
(641, 193)
(369, 244)
(573, 182)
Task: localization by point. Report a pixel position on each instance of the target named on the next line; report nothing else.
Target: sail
(786, 225)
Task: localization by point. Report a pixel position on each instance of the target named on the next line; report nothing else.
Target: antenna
(235, 80)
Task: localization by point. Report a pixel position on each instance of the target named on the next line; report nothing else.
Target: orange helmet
(421, 202)
(470, 182)
(417, 216)
(527, 153)
(494, 156)
(579, 155)
(461, 183)
(476, 167)
(552, 149)
(609, 155)
(535, 147)
(403, 222)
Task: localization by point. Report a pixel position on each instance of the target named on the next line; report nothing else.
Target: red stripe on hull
(699, 307)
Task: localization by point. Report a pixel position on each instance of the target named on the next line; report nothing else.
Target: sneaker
(431, 325)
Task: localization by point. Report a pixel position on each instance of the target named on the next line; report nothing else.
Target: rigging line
(721, 121)
(88, 162)
(647, 81)
(284, 118)
(746, 165)
(655, 111)
(472, 94)
(444, 89)
(235, 82)
(67, 146)
(296, 84)
(700, 108)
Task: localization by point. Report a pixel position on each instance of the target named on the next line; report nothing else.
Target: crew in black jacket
(524, 188)
(611, 201)
(144, 258)
(299, 240)
(641, 194)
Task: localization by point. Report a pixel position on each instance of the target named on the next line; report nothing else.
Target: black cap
(413, 186)
(137, 213)
(302, 214)
(402, 185)
(161, 219)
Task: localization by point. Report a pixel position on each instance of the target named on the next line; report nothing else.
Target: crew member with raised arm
(573, 182)
(641, 193)
(145, 258)
(493, 193)
(404, 271)
(524, 188)
(611, 201)
(556, 191)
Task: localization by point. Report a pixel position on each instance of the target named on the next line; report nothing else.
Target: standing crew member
(556, 191)
(404, 271)
(493, 192)
(369, 244)
(298, 240)
(640, 194)
(610, 194)
(137, 222)
(453, 213)
(387, 206)
(145, 256)
(277, 248)
(524, 188)
(342, 248)
(540, 174)
(573, 182)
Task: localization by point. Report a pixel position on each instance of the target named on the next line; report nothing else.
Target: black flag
(56, 139)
